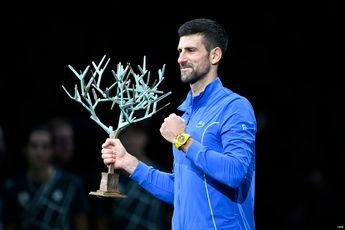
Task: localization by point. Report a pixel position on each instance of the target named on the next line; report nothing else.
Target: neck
(201, 84)
(41, 174)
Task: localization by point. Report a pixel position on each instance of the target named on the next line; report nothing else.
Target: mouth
(184, 68)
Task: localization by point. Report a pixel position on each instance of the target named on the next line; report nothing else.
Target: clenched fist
(172, 127)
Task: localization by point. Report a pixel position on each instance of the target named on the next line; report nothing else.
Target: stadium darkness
(286, 58)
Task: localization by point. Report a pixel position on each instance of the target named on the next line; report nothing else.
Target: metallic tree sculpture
(131, 92)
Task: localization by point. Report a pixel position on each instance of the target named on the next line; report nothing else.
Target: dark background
(286, 58)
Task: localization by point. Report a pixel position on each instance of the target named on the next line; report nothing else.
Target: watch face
(181, 138)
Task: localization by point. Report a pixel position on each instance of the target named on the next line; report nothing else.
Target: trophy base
(108, 194)
(109, 186)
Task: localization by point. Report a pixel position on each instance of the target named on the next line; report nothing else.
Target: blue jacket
(212, 184)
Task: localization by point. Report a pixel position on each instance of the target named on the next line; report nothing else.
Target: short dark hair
(214, 34)
(39, 126)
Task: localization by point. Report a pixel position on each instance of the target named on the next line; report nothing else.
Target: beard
(193, 75)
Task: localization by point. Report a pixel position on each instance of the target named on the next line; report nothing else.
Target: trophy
(136, 97)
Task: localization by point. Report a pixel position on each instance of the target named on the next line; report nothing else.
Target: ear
(215, 55)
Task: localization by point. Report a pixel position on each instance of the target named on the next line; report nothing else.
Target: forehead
(40, 136)
(64, 130)
(194, 40)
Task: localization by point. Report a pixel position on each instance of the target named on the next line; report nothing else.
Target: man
(212, 184)
(64, 155)
(44, 197)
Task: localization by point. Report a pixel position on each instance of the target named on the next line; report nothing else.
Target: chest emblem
(200, 124)
(57, 195)
(23, 198)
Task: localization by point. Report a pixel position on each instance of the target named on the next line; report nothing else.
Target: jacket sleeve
(158, 183)
(237, 134)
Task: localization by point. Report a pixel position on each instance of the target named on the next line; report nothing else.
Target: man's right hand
(113, 152)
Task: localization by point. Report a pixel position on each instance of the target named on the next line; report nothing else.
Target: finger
(107, 151)
(108, 142)
(109, 156)
(109, 161)
(172, 116)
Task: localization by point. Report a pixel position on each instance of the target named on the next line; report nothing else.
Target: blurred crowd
(45, 183)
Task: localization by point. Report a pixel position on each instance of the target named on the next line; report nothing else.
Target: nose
(181, 58)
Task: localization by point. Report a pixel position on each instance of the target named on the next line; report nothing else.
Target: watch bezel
(181, 140)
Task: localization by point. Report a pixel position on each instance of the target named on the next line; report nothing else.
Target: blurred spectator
(140, 210)
(67, 157)
(44, 197)
(64, 145)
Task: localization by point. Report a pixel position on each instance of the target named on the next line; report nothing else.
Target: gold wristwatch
(181, 139)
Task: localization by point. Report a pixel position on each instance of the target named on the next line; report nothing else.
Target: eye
(38, 145)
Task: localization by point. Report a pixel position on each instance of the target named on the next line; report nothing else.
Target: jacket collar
(203, 97)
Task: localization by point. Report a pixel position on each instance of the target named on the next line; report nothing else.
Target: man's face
(39, 149)
(193, 58)
(64, 143)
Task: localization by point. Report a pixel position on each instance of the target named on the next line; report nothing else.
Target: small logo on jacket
(200, 124)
